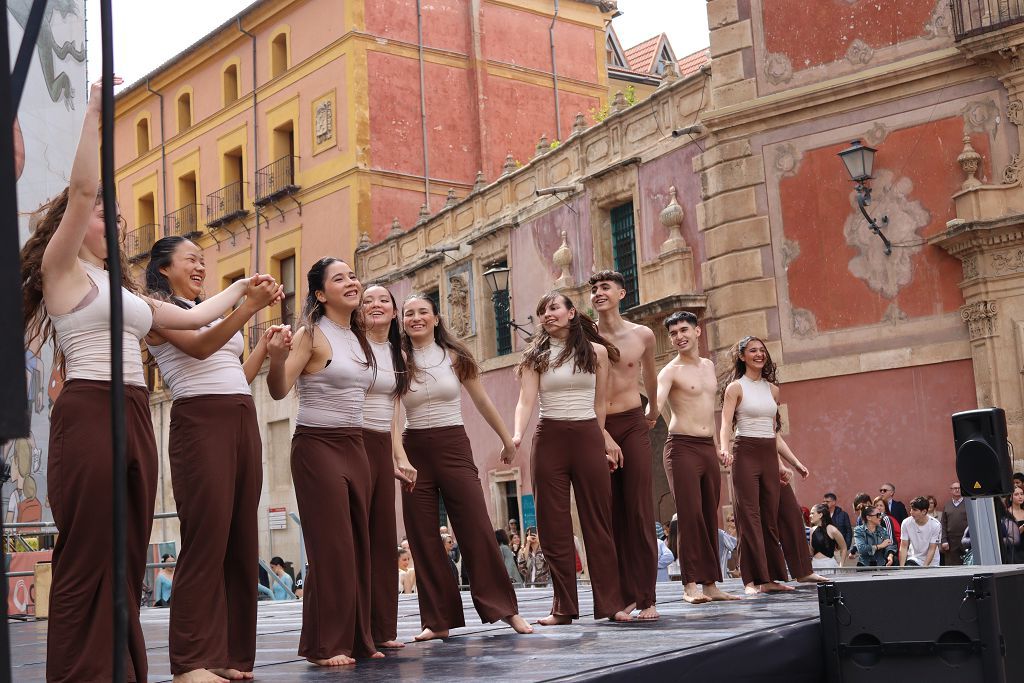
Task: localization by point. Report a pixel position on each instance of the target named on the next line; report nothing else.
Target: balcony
(976, 17)
(275, 181)
(256, 331)
(139, 241)
(225, 205)
(184, 222)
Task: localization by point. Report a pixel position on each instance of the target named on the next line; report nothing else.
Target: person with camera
(532, 564)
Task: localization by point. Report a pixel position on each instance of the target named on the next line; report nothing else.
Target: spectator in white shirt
(919, 536)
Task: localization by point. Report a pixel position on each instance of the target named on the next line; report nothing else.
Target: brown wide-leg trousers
(695, 479)
(332, 488)
(80, 639)
(756, 480)
(383, 537)
(572, 452)
(443, 459)
(792, 534)
(217, 475)
(633, 508)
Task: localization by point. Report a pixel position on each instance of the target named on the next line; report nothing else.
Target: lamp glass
(859, 160)
(497, 279)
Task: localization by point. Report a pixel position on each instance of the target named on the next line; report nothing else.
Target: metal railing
(975, 17)
(225, 204)
(275, 179)
(257, 330)
(139, 241)
(184, 222)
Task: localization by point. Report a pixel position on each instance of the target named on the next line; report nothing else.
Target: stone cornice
(962, 238)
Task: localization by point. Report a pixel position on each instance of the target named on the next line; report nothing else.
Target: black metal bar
(28, 46)
(977, 17)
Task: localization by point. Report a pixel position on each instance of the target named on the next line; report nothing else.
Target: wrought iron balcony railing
(257, 330)
(225, 204)
(183, 222)
(139, 241)
(975, 17)
(275, 180)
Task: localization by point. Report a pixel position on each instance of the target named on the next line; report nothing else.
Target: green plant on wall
(601, 114)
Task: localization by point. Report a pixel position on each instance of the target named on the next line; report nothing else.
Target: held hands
(405, 473)
(785, 475)
(945, 546)
(262, 294)
(612, 452)
(279, 342)
(725, 457)
(508, 452)
(651, 415)
(517, 440)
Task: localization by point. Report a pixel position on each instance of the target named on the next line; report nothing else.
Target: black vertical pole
(120, 477)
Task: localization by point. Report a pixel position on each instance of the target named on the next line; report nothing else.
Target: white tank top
(83, 335)
(334, 396)
(566, 394)
(379, 407)
(755, 415)
(434, 398)
(220, 373)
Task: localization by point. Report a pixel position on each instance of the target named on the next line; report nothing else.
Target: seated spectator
(861, 502)
(298, 586)
(874, 546)
(406, 574)
(827, 542)
(284, 584)
(891, 523)
(665, 556)
(164, 578)
(840, 519)
(532, 564)
(511, 567)
(920, 536)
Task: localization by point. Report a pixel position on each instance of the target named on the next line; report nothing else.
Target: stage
(586, 650)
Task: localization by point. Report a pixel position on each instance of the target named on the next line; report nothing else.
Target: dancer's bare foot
(648, 614)
(694, 596)
(390, 645)
(750, 589)
(715, 593)
(621, 616)
(199, 676)
(377, 655)
(813, 578)
(233, 674)
(628, 609)
(336, 660)
(775, 587)
(555, 620)
(430, 634)
(518, 624)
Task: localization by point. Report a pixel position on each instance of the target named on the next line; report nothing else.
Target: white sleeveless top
(755, 414)
(379, 408)
(334, 396)
(219, 374)
(434, 398)
(566, 394)
(83, 335)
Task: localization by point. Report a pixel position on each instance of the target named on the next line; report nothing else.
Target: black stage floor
(720, 633)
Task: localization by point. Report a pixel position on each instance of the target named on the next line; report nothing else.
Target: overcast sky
(147, 34)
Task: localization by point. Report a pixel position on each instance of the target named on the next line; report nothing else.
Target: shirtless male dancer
(627, 425)
(689, 385)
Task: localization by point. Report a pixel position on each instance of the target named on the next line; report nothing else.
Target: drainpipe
(423, 104)
(163, 157)
(255, 153)
(554, 74)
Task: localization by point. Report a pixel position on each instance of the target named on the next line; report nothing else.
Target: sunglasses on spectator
(883, 490)
(874, 514)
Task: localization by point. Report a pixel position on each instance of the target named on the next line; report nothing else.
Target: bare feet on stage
(813, 578)
(337, 660)
(518, 624)
(621, 616)
(750, 589)
(555, 620)
(430, 634)
(694, 596)
(390, 645)
(648, 614)
(774, 587)
(715, 593)
(233, 674)
(199, 676)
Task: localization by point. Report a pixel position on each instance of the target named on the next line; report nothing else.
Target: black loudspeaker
(982, 453)
(949, 624)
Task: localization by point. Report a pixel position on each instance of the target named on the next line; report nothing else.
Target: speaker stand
(981, 519)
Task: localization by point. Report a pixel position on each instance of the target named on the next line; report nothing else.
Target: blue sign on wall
(529, 512)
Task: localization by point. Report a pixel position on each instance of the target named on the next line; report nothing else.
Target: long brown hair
(395, 342)
(35, 318)
(738, 368)
(463, 363)
(313, 309)
(578, 346)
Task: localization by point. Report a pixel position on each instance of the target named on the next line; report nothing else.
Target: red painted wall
(445, 25)
(575, 50)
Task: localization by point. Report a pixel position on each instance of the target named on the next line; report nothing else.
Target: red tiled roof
(641, 57)
(691, 64)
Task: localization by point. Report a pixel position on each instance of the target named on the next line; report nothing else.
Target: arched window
(230, 84)
(279, 55)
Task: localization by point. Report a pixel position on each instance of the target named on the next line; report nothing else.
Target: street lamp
(859, 160)
(497, 280)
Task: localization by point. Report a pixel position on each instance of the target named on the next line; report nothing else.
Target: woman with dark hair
(437, 445)
(380, 426)
(332, 363)
(66, 302)
(827, 541)
(873, 543)
(216, 460)
(509, 558)
(566, 365)
(750, 412)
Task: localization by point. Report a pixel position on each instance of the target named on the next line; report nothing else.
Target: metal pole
(302, 545)
(981, 520)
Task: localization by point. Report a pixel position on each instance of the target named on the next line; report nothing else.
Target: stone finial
(579, 124)
(542, 145)
(480, 181)
(510, 165)
(424, 214)
(672, 218)
(396, 228)
(563, 259)
(671, 75)
(619, 102)
(364, 241)
(451, 199)
(969, 161)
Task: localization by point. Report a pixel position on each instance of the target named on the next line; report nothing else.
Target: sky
(138, 49)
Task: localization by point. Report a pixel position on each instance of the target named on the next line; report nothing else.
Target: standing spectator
(280, 569)
(1018, 479)
(1015, 504)
(891, 524)
(164, 578)
(933, 505)
(1009, 534)
(532, 564)
(921, 534)
(406, 574)
(827, 540)
(874, 546)
(894, 507)
(840, 519)
(453, 553)
(508, 558)
(727, 552)
(514, 544)
(512, 528)
(954, 524)
(665, 556)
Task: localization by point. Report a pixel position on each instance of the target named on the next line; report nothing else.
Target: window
(229, 280)
(142, 136)
(279, 55)
(184, 111)
(234, 173)
(286, 276)
(230, 84)
(283, 142)
(508, 492)
(435, 296)
(185, 220)
(145, 221)
(502, 329)
(187, 192)
(612, 55)
(624, 252)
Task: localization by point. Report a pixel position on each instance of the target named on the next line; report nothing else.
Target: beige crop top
(564, 393)
(755, 414)
(334, 396)
(434, 398)
(379, 407)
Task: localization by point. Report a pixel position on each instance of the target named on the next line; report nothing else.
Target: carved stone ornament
(480, 182)
(940, 24)
(787, 160)
(778, 69)
(579, 124)
(364, 241)
(510, 165)
(396, 228)
(563, 259)
(980, 116)
(424, 214)
(859, 52)
(619, 102)
(980, 317)
(1012, 173)
(324, 122)
(1015, 112)
(804, 323)
(458, 306)
(542, 146)
(451, 199)
(969, 160)
(672, 218)
(1007, 262)
(970, 265)
(670, 76)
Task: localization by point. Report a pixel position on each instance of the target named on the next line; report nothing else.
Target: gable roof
(613, 44)
(641, 57)
(692, 63)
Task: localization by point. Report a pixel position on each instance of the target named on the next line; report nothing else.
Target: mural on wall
(50, 117)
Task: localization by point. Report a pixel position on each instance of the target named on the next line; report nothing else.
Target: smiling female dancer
(437, 446)
(66, 301)
(332, 362)
(216, 471)
(380, 426)
(567, 364)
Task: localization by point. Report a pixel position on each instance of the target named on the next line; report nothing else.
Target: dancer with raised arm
(628, 425)
(437, 446)
(331, 361)
(216, 460)
(380, 426)
(66, 301)
(566, 364)
(692, 460)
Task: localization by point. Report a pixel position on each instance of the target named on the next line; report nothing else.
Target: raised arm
(169, 316)
(529, 385)
(490, 414)
(251, 366)
(650, 377)
(288, 357)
